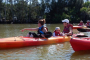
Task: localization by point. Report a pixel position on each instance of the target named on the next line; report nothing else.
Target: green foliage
(64, 16)
(54, 11)
(83, 9)
(86, 4)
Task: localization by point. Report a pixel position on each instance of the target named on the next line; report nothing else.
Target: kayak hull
(17, 42)
(76, 27)
(79, 44)
(83, 29)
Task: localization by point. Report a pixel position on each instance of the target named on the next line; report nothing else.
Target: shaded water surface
(61, 51)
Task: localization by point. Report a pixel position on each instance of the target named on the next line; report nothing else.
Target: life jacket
(40, 30)
(66, 28)
(88, 23)
(57, 33)
(80, 24)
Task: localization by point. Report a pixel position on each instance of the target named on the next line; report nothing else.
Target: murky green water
(61, 51)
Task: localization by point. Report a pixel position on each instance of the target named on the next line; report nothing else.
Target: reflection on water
(61, 51)
(50, 52)
(87, 33)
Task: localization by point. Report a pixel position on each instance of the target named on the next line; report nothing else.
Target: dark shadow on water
(79, 55)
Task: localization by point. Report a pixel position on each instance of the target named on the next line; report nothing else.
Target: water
(61, 51)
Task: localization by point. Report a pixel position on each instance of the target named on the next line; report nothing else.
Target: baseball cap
(57, 28)
(65, 20)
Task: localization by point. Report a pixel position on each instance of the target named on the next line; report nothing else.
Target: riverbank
(34, 23)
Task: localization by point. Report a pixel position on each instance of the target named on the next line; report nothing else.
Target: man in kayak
(57, 32)
(88, 23)
(68, 28)
(41, 30)
(81, 23)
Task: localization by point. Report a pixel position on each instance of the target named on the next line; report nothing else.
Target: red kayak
(76, 27)
(79, 44)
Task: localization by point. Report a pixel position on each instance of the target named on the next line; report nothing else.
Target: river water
(61, 51)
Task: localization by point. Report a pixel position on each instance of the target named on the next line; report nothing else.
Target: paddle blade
(48, 34)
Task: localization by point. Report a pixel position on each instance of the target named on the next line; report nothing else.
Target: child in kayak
(81, 23)
(57, 32)
(41, 30)
(68, 28)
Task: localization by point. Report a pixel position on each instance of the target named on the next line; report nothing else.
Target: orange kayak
(17, 42)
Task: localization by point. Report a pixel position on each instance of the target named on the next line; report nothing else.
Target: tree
(85, 11)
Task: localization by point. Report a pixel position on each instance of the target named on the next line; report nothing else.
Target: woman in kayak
(68, 28)
(81, 23)
(41, 30)
(88, 23)
(57, 32)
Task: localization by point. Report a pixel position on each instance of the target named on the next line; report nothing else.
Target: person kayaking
(57, 32)
(81, 23)
(68, 28)
(88, 24)
(41, 30)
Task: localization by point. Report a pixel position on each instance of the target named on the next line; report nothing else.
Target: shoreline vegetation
(54, 11)
(37, 23)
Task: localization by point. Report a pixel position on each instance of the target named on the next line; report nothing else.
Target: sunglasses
(64, 22)
(57, 30)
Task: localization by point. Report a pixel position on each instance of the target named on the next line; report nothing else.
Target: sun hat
(57, 28)
(65, 20)
(81, 21)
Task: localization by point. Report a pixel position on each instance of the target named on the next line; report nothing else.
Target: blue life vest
(40, 30)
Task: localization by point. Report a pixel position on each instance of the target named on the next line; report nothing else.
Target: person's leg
(32, 34)
(35, 35)
(29, 34)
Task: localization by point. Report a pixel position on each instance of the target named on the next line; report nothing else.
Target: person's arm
(87, 24)
(61, 34)
(44, 30)
(54, 34)
(78, 24)
(30, 29)
(83, 24)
